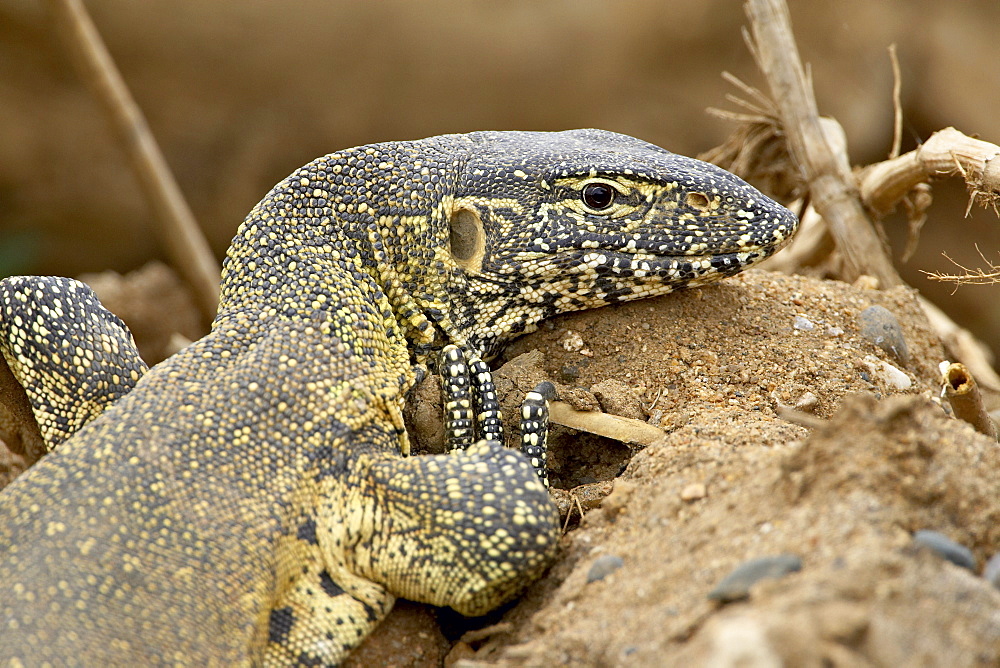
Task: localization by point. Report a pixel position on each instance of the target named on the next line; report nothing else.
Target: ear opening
(466, 240)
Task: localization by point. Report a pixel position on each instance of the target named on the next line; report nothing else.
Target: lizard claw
(471, 408)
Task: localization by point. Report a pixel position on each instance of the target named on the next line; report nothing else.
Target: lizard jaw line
(670, 265)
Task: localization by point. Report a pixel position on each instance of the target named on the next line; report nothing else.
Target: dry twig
(757, 150)
(831, 184)
(897, 105)
(619, 428)
(966, 401)
(789, 414)
(977, 276)
(947, 152)
(178, 230)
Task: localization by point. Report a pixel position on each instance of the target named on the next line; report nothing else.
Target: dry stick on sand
(842, 199)
(966, 401)
(831, 185)
(626, 430)
(178, 231)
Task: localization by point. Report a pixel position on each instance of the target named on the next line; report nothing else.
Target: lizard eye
(598, 196)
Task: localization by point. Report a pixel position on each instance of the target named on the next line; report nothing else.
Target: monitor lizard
(248, 500)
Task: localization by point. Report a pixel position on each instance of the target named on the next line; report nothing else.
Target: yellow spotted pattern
(249, 501)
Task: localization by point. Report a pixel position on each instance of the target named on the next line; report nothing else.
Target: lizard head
(543, 223)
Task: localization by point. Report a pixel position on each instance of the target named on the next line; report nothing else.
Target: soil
(731, 481)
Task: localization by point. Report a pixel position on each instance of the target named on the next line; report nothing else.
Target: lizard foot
(471, 407)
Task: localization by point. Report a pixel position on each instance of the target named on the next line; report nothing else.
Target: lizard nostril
(697, 200)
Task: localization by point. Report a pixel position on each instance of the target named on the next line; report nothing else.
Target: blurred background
(239, 94)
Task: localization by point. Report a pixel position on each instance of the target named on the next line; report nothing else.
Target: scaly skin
(247, 502)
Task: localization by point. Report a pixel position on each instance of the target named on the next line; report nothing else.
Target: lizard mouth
(669, 267)
(652, 258)
(620, 271)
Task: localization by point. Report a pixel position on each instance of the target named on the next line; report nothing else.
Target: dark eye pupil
(598, 195)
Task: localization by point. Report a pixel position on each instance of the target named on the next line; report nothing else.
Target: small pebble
(887, 373)
(736, 586)
(992, 571)
(881, 327)
(803, 324)
(945, 548)
(866, 282)
(603, 566)
(655, 417)
(693, 492)
(572, 341)
(807, 403)
(834, 331)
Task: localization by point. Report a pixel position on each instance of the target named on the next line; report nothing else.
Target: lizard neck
(345, 219)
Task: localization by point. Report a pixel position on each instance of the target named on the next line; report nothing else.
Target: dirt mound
(845, 500)
(731, 482)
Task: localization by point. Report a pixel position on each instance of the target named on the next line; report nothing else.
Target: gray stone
(881, 327)
(604, 566)
(946, 548)
(736, 586)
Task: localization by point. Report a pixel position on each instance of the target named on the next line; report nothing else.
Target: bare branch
(831, 184)
(178, 231)
(947, 152)
(897, 106)
(966, 401)
(976, 276)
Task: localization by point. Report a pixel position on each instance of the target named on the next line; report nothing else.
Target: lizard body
(246, 501)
